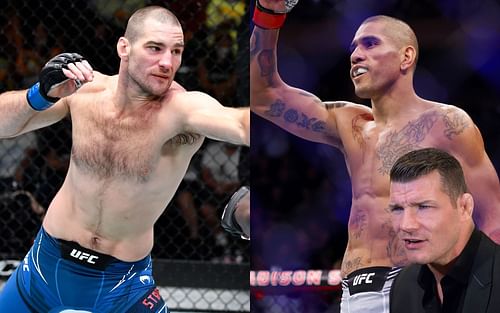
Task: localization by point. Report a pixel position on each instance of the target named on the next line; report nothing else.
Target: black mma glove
(50, 76)
(229, 222)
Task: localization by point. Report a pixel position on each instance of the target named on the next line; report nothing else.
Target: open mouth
(413, 243)
(358, 71)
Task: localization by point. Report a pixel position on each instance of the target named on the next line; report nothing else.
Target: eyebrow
(354, 43)
(412, 204)
(161, 44)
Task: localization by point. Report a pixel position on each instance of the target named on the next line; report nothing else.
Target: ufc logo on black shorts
(84, 256)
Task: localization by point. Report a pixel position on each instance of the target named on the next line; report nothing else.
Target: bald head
(396, 30)
(136, 22)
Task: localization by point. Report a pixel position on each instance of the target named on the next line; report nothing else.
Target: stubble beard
(147, 89)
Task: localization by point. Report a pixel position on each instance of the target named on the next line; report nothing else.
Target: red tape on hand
(267, 20)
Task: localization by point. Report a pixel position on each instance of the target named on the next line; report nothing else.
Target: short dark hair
(136, 21)
(418, 163)
(399, 30)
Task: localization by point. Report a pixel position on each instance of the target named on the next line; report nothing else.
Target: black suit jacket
(482, 294)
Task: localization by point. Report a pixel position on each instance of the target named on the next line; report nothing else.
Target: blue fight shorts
(62, 276)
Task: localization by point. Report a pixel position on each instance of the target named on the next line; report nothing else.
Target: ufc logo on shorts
(83, 256)
(358, 280)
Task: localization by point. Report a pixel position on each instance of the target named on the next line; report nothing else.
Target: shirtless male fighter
(383, 61)
(133, 137)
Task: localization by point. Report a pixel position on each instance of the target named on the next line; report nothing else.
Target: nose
(165, 62)
(357, 56)
(408, 222)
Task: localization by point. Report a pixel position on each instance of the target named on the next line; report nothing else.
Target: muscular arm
(294, 110)
(206, 116)
(17, 117)
(58, 79)
(481, 177)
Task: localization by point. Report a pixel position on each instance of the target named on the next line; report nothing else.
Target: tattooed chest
(394, 143)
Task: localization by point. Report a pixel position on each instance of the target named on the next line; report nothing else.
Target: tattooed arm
(294, 110)
(466, 143)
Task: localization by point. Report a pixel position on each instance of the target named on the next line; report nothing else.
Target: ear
(465, 204)
(123, 48)
(408, 58)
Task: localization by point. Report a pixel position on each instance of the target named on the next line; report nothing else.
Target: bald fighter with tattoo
(134, 135)
(383, 61)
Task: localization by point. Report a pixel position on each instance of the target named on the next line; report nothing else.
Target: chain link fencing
(33, 165)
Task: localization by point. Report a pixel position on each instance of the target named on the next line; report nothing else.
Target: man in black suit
(457, 266)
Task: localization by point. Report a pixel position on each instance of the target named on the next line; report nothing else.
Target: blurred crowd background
(301, 190)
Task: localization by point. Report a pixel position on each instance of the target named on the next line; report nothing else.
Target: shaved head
(398, 31)
(136, 22)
